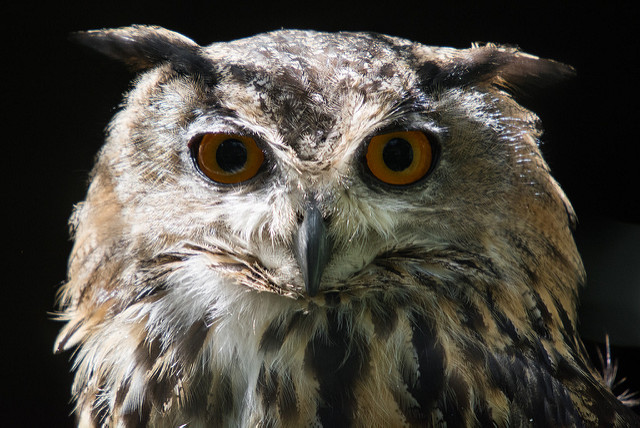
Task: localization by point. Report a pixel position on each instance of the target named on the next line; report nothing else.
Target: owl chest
(338, 368)
(375, 366)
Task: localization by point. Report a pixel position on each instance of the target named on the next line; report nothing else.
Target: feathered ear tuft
(142, 47)
(517, 71)
(501, 66)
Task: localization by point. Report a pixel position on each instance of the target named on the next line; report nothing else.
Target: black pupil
(231, 155)
(397, 154)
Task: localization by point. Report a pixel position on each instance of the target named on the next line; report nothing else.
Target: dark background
(60, 97)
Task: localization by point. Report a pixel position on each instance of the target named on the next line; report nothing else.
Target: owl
(326, 229)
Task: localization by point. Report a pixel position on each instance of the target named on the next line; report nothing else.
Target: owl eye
(229, 158)
(399, 158)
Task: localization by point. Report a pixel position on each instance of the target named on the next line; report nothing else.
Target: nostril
(328, 219)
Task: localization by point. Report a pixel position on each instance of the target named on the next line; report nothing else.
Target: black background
(59, 98)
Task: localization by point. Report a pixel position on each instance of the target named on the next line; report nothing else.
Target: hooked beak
(312, 247)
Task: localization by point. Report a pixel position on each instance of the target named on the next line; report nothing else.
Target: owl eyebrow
(410, 105)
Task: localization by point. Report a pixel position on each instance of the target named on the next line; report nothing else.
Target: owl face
(306, 229)
(312, 106)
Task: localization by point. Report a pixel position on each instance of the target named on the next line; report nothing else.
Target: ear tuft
(516, 71)
(142, 47)
(505, 67)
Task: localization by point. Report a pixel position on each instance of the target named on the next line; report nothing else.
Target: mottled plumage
(313, 293)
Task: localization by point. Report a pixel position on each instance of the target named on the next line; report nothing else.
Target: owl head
(297, 168)
(308, 155)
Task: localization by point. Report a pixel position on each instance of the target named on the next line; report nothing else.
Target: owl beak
(312, 248)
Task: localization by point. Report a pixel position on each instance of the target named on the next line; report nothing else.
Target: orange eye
(399, 157)
(229, 158)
